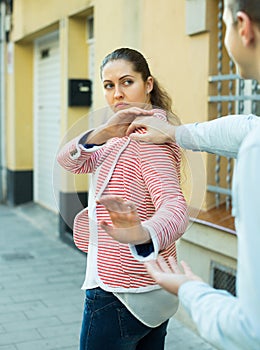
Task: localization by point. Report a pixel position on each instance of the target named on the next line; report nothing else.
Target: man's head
(242, 39)
(250, 7)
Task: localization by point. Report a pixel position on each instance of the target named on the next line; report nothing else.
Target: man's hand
(157, 131)
(127, 227)
(117, 125)
(168, 275)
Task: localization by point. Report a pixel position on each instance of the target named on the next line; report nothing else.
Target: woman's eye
(127, 82)
(108, 86)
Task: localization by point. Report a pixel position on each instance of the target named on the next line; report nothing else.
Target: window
(223, 277)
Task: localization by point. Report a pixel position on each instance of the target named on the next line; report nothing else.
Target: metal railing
(239, 97)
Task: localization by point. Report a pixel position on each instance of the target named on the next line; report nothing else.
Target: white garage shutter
(46, 118)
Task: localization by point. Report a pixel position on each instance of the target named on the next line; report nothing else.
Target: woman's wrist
(98, 136)
(146, 238)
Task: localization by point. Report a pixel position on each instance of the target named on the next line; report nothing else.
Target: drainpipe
(2, 102)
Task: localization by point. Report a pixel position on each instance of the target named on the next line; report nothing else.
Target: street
(41, 301)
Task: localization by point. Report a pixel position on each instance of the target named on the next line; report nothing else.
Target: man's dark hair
(250, 7)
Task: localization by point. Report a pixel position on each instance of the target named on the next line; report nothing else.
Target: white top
(229, 322)
(152, 307)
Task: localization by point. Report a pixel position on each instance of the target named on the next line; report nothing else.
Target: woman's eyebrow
(125, 76)
(121, 78)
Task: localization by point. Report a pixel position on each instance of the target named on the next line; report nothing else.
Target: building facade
(51, 91)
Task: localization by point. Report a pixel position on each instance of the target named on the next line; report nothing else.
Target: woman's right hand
(116, 125)
(126, 224)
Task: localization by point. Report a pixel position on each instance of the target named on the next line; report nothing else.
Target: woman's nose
(118, 92)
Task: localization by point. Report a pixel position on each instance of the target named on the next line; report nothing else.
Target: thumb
(130, 129)
(186, 267)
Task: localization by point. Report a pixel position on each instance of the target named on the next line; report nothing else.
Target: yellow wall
(20, 109)
(32, 16)
(117, 24)
(174, 58)
(182, 64)
(30, 20)
(74, 58)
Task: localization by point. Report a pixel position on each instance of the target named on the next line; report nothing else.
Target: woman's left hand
(127, 226)
(116, 125)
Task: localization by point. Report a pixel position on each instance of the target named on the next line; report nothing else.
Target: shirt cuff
(153, 253)
(80, 146)
(192, 291)
(144, 249)
(89, 147)
(184, 137)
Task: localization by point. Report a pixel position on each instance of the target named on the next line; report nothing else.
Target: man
(226, 321)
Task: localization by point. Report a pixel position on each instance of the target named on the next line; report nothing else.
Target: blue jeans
(108, 325)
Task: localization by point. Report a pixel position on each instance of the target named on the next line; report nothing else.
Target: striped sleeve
(160, 168)
(77, 159)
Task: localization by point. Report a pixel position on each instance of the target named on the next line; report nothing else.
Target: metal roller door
(46, 117)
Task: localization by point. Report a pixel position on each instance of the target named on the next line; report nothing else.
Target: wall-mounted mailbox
(80, 92)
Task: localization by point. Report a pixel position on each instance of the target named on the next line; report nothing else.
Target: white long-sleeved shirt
(229, 322)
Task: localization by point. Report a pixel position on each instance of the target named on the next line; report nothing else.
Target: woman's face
(123, 87)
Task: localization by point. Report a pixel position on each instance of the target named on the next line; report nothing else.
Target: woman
(121, 298)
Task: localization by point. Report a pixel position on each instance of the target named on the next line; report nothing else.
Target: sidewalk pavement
(40, 278)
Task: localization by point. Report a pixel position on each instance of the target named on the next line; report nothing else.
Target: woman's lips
(121, 105)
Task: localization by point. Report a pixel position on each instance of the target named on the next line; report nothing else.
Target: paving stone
(44, 311)
(49, 344)
(12, 316)
(16, 337)
(36, 324)
(59, 330)
(8, 347)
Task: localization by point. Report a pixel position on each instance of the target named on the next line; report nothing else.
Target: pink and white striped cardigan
(148, 175)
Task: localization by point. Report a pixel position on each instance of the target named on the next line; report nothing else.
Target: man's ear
(245, 28)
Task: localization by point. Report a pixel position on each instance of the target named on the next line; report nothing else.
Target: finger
(140, 123)
(140, 111)
(130, 114)
(130, 206)
(106, 227)
(117, 204)
(140, 137)
(152, 267)
(173, 264)
(189, 273)
(163, 264)
(111, 197)
(111, 203)
(132, 127)
(125, 207)
(105, 199)
(187, 269)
